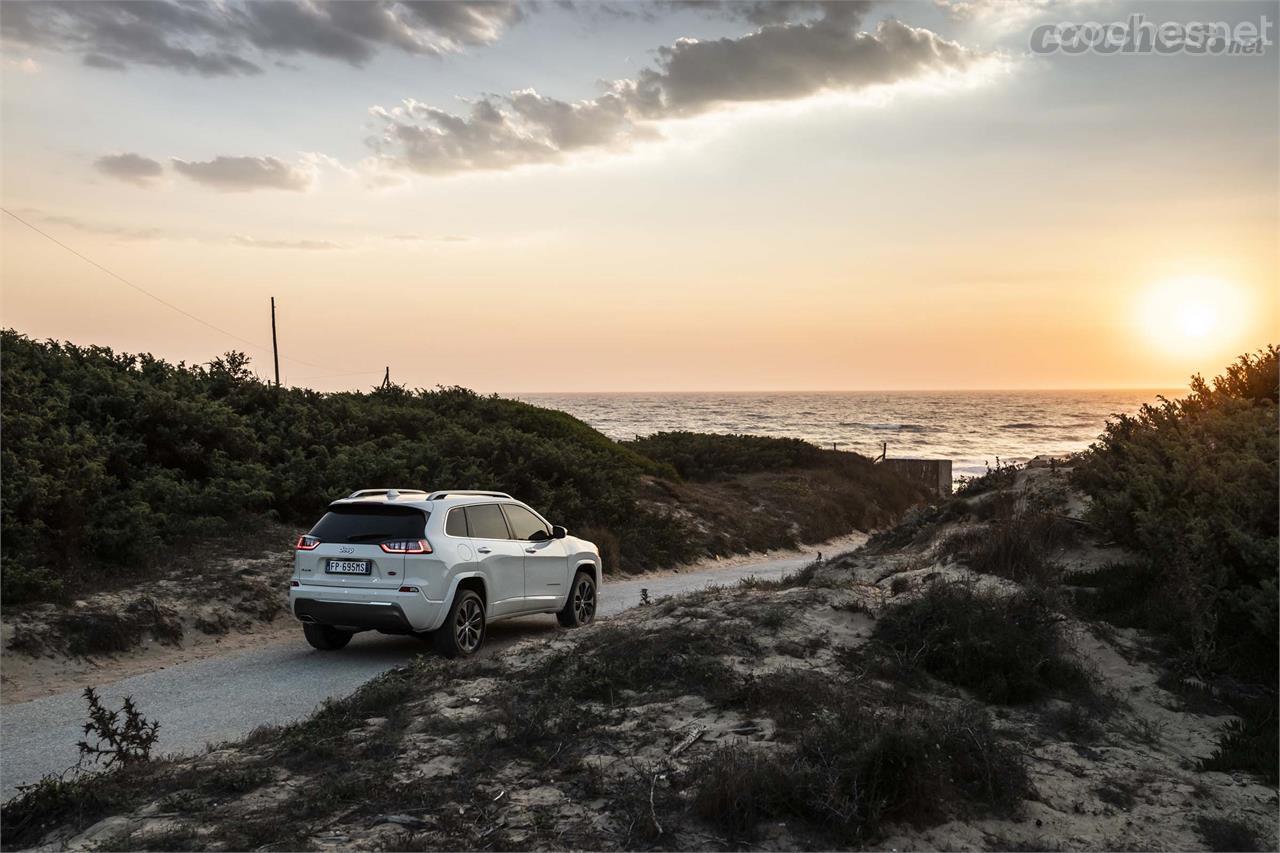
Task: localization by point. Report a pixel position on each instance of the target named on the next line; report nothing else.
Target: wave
(886, 427)
(1029, 425)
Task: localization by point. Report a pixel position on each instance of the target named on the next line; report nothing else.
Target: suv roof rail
(366, 493)
(435, 496)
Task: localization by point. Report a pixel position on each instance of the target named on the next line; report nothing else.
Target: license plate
(348, 567)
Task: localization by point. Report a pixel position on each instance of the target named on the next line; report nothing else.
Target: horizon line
(1134, 388)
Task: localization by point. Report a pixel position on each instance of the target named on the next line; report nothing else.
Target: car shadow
(372, 647)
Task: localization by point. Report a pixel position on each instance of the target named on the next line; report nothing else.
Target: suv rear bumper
(383, 617)
(382, 610)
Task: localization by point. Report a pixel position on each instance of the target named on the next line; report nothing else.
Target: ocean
(971, 428)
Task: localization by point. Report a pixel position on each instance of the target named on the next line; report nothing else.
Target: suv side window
(486, 522)
(524, 524)
(455, 523)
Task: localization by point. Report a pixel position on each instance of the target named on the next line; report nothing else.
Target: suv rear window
(356, 525)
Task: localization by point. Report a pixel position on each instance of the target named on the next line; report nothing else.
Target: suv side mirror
(558, 532)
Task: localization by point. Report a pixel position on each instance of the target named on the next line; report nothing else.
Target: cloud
(241, 174)
(777, 62)
(236, 38)
(790, 62)
(757, 12)
(106, 229)
(308, 245)
(429, 238)
(766, 12)
(1002, 16)
(127, 232)
(131, 168)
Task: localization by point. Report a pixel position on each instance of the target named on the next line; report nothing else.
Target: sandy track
(281, 679)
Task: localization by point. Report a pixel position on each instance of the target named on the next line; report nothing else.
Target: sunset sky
(624, 196)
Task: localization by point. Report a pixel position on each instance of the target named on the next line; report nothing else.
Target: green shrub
(1251, 743)
(1004, 647)
(707, 456)
(113, 462)
(108, 457)
(23, 583)
(1002, 476)
(1191, 486)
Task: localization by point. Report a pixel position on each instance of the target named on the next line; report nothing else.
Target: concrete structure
(933, 473)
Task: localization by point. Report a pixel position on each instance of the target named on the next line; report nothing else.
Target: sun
(1191, 313)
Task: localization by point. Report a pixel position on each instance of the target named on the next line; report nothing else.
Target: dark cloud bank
(236, 38)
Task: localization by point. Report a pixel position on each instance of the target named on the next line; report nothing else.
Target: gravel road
(224, 698)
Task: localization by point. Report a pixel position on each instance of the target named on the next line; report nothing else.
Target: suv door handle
(483, 550)
(531, 550)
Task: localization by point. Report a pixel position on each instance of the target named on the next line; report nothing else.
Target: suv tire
(463, 631)
(580, 608)
(326, 638)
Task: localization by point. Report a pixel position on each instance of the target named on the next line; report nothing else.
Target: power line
(121, 278)
(169, 304)
(339, 375)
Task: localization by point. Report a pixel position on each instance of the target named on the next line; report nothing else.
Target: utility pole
(275, 348)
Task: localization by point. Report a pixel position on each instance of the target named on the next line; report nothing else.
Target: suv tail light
(307, 543)
(406, 546)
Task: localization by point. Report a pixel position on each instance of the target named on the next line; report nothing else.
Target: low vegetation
(117, 744)
(1252, 742)
(853, 769)
(1001, 476)
(613, 666)
(1004, 647)
(116, 737)
(1019, 545)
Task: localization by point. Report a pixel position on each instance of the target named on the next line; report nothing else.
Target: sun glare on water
(1196, 313)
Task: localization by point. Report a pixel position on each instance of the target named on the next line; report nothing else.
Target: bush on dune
(1020, 547)
(1005, 647)
(706, 456)
(109, 456)
(113, 461)
(853, 771)
(1191, 486)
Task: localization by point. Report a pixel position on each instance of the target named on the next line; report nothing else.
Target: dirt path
(25, 678)
(212, 692)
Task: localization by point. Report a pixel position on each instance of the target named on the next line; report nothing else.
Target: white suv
(402, 561)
